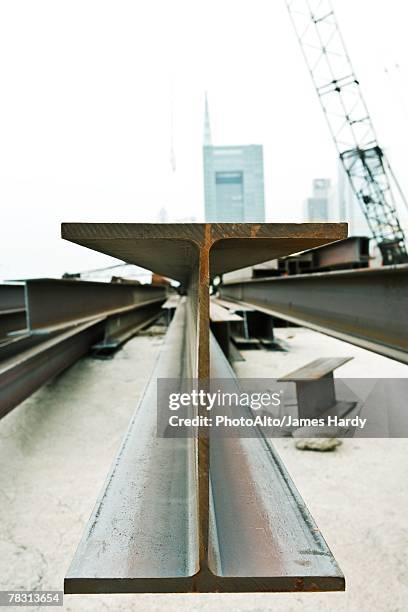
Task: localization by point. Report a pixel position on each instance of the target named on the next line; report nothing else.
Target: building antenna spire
(207, 126)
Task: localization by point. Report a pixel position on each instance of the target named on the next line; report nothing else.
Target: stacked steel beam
(52, 323)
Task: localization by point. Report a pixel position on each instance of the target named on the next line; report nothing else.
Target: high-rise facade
(318, 206)
(233, 181)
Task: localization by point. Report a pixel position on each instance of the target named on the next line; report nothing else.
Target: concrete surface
(56, 448)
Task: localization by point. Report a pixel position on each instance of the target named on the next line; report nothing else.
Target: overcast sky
(87, 89)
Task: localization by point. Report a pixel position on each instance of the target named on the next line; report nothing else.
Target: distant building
(233, 181)
(163, 215)
(348, 206)
(318, 206)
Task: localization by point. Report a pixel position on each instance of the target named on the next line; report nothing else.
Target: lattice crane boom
(350, 124)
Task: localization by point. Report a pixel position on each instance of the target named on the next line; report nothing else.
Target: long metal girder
(66, 319)
(18, 343)
(345, 254)
(29, 361)
(193, 254)
(161, 537)
(143, 535)
(23, 373)
(365, 307)
(57, 303)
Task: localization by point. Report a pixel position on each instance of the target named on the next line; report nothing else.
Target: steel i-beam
(364, 307)
(23, 372)
(65, 318)
(57, 303)
(193, 254)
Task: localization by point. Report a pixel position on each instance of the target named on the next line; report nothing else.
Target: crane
(365, 162)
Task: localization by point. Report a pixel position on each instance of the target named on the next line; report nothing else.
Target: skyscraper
(233, 180)
(318, 206)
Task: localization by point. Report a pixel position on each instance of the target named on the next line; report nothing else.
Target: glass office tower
(234, 183)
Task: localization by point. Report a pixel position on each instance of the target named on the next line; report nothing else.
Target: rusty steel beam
(143, 533)
(345, 254)
(261, 536)
(58, 303)
(57, 311)
(22, 357)
(351, 252)
(364, 307)
(192, 254)
(23, 373)
(20, 342)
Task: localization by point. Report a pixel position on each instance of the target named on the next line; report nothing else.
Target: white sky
(85, 108)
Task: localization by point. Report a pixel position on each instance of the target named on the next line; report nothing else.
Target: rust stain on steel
(254, 230)
(194, 254)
